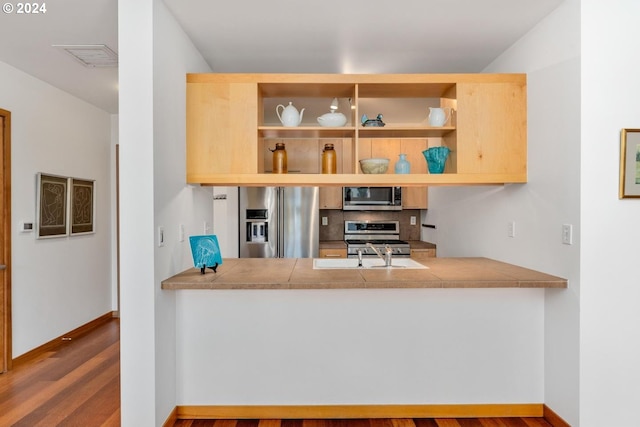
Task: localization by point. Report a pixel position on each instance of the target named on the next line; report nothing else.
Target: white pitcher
(439, 116)
(290, 116)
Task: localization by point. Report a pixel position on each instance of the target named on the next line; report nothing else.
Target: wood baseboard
(57, 342)
(554, 419)
(358, 411)
(172, 418)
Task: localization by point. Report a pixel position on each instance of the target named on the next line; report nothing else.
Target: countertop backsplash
(336, 218)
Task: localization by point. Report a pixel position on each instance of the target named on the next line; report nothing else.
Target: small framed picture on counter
(629, 163)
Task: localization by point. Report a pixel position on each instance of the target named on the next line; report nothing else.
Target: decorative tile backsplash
(336, 218)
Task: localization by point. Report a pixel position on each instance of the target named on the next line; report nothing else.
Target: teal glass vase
(402, 166)
(436, 158)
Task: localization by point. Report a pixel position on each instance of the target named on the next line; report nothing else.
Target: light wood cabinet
(221, 128)
(330, 197)
(230, 128)
(332, 253)
(415, 198)
(423, 254)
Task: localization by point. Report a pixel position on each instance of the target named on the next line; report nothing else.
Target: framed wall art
(629, 163)
(82, 211)
(52, 205)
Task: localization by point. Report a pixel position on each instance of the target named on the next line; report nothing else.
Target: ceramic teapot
(439, 116)
(290, 116)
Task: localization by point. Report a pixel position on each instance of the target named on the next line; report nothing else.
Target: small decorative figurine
(367, 122)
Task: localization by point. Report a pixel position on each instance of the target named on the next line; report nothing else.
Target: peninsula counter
(298, 273)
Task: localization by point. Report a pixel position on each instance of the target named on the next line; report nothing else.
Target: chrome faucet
(386, 257)
(359, 257)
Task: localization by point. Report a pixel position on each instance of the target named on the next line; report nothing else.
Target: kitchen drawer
(419, 254)
(333, 253)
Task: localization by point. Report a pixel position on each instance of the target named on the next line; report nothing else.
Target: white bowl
(332, 120)
(375, 165)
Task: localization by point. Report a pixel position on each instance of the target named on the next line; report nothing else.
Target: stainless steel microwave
(371, 198)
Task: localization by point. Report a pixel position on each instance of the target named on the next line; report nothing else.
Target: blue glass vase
(436, 158)
(402, 166)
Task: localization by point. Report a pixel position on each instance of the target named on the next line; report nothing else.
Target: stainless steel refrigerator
(279, 222)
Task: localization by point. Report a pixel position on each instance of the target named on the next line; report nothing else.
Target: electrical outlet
(567, 234)
(181, 233)
(511, 231)
(160, 236)
(412, 220)
(325, 220)
(206, 228)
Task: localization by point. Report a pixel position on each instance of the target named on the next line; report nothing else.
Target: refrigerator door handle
(281, 219)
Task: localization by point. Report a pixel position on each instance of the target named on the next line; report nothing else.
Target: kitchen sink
(335, 263)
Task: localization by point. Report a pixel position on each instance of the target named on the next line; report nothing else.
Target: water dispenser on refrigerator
(257, 226)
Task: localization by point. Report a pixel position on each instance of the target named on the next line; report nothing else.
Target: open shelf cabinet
(231, 124)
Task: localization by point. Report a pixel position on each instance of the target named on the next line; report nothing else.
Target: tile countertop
(298, 273)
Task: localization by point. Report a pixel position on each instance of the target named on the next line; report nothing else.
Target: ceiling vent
(91, 55)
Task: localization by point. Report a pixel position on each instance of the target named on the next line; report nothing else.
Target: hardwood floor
(404, 422)
(78, 384)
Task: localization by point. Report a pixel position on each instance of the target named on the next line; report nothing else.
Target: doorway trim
(5, 296)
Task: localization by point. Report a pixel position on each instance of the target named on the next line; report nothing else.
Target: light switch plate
(567, 234)
(25, 227)
(160, 236)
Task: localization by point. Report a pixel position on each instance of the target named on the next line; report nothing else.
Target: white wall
(155, 55)
(57, 284)
(473, 221)
(610, 287)
(175, 203)
(363, 346)
(113, 203)
(225, 220)
(137, 265)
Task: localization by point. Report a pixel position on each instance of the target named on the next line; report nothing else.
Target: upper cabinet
(232, 125)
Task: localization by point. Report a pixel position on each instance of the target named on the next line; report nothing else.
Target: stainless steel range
(381, 234)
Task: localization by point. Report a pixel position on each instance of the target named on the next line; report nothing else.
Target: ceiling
(26, 43)
(404, 36)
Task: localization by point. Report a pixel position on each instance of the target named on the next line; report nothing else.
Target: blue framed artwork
(205, 251)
